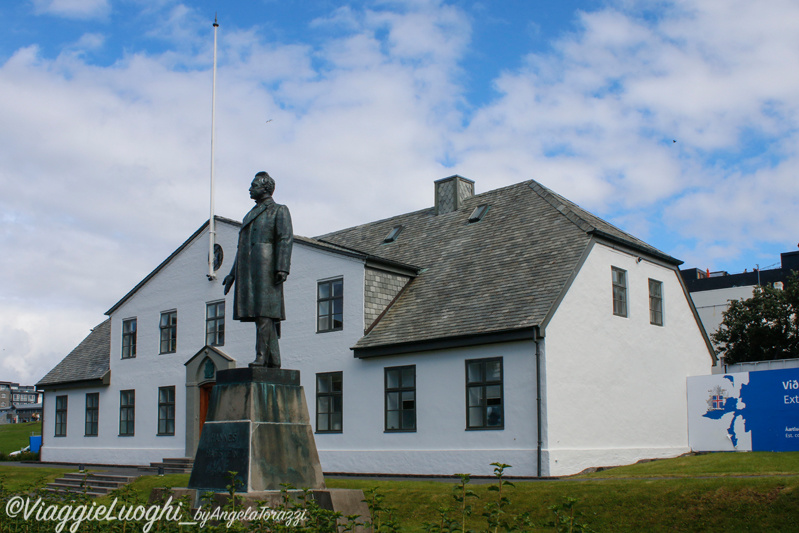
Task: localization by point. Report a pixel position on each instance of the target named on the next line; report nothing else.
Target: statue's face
(258, 189)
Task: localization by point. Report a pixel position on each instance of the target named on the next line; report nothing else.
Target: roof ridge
(562, 206)
(371, 223)
(605, 229)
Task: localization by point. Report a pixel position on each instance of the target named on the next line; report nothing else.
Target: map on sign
(744, 411)
(727, 405)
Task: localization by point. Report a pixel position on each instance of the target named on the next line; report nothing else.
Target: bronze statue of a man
(262, 265)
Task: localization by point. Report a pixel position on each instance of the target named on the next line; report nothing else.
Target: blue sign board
(756, 411)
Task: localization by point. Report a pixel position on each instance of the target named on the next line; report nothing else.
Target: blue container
(36, 443)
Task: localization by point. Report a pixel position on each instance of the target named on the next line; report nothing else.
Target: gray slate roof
(90, 360)
(503, 273)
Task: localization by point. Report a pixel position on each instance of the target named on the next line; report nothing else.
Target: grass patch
(715, 504)
(693, 493)
(711, 464)
(14, 437)
(657, 496)
(18, 478)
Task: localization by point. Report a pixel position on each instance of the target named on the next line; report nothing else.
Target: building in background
(507, 326)
(711, 293)
(19, 403)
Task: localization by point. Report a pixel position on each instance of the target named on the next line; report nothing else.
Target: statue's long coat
(265, 243)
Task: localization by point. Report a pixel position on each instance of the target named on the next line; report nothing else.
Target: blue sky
(676, 120)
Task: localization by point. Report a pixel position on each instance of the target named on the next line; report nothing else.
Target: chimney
(451, 192)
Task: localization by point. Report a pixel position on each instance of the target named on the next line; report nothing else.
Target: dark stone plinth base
(348, 502)
(259, 373)
(257, 426)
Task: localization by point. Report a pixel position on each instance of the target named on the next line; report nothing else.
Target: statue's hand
(280, 277)
(228, 282)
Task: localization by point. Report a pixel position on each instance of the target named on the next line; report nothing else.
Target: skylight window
(478, 213)
(393, 234)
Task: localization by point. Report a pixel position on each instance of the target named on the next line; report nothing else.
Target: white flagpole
(211, 226)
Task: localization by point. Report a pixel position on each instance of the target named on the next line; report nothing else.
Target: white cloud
(597, 118)
(74, 9)
(105, 170)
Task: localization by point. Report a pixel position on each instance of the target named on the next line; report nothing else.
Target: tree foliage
(762, 328)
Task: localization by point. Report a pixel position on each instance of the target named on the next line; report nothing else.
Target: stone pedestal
(257, 426)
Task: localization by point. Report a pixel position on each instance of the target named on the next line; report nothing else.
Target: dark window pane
(493, 371)
(493, 393)
(324, 308)
(392, 401)
(475, 396)
(392, 420)
(323, 383)
(408, 420)
(494, 416)
(324, 290)
(475, 373)
(392, 379)
(408, 377)
(475, 416)
(323, 404)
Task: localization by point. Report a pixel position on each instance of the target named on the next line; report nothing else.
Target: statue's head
(265, 180)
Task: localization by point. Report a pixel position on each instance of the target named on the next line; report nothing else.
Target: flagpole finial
(216, 24)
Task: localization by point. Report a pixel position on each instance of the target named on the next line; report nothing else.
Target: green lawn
(705, 493)
(712, 492)
(15, 436)
(16, 478)
(711, 464)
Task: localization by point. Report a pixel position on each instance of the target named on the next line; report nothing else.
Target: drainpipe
(538, 402)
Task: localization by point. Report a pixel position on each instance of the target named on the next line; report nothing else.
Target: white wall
(441, 444)
(615, 387)
(181, 285)
(711, 304)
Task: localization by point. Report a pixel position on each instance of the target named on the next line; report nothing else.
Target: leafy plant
(567, 518)
(763, 327)
(461, 494)
(495, 513)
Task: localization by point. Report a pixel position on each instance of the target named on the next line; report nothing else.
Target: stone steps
(171, 465)
(88, 483)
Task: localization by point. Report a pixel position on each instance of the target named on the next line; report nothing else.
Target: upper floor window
(484, 384)
(655, 302)
(92, 414)
(330, 305)
(215, 324)
(401, 398)
(166, 410)
(127, 412)
(329, 402)
(60, 416)
(129, 338)
(169, 331)
(619, 291)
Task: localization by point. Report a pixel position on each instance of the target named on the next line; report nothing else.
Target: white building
(508, 326)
